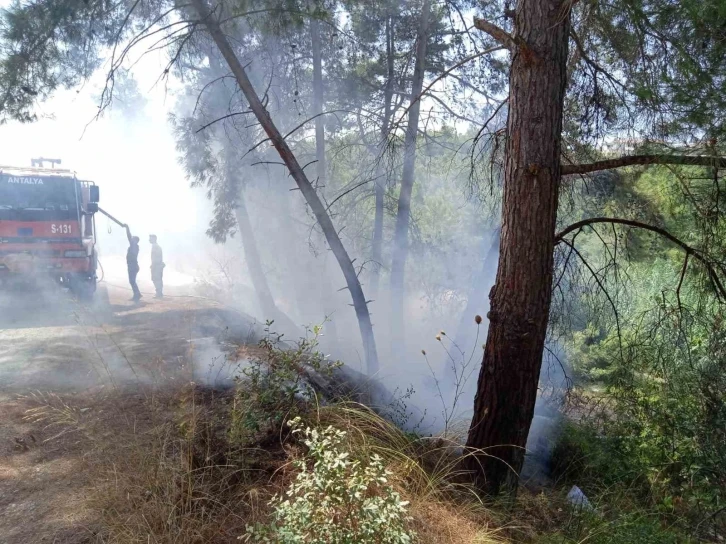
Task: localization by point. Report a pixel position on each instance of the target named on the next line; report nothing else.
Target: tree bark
(297, 173)
(403, 216)
(520, 300)
(380, 187)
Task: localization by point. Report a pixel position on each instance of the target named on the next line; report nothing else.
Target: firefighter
(132, 263)
(157, 267)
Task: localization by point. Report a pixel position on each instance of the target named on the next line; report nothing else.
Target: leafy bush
(584, 457)
(336, 500)
(273, 384)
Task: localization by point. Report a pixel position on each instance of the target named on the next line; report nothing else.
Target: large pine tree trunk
(403, 215)
(520, 302)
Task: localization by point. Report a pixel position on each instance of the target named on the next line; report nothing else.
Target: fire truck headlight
(75, 253)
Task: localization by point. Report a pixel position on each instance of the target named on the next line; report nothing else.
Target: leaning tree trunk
(311, 197)
(403, 216)
(520, 301)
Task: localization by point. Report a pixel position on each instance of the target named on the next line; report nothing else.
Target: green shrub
(627, 508)
(662, 425)
(335, 499)
(630, 528)
(585, 456)
(273, 385)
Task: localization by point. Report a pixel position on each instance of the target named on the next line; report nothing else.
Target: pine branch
(633, 160)
(711, 266)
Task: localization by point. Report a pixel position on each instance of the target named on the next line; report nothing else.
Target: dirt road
(55, 352)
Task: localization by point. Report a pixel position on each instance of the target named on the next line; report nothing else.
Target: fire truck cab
(47, 228)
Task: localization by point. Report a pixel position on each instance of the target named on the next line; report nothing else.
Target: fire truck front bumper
(16, 267)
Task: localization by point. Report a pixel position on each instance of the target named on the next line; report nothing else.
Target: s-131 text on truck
(47, 227)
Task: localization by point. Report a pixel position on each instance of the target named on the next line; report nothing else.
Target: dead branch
(499, 34)
(229, 115)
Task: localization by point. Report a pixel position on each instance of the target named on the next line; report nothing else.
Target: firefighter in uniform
(132, 263)
(157, 266)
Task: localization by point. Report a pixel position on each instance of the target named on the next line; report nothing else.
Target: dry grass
(155, 493)
(175, 478)
(179, 482)
(446, 523)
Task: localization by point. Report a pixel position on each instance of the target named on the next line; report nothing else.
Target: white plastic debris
(578, 499)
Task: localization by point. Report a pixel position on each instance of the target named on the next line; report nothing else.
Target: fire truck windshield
(37, 198)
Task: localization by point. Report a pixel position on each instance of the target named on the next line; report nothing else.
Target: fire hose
(112, 218)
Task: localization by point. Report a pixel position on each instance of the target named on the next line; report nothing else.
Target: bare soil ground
(92, 364)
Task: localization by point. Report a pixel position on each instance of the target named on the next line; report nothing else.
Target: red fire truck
(47, 228)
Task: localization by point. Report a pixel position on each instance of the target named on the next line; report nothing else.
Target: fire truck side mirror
(92, 207)
(94, 194)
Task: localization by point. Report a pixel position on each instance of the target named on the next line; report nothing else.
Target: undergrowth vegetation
(272, 460)
(338, 499)
(650, 432)
(282, 457)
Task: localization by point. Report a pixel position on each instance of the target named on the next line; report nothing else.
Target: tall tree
(327, 290)
(221, 175)
(403, 216)
(209, 156)
(381, 176)
(360, 304)
(520, 301)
